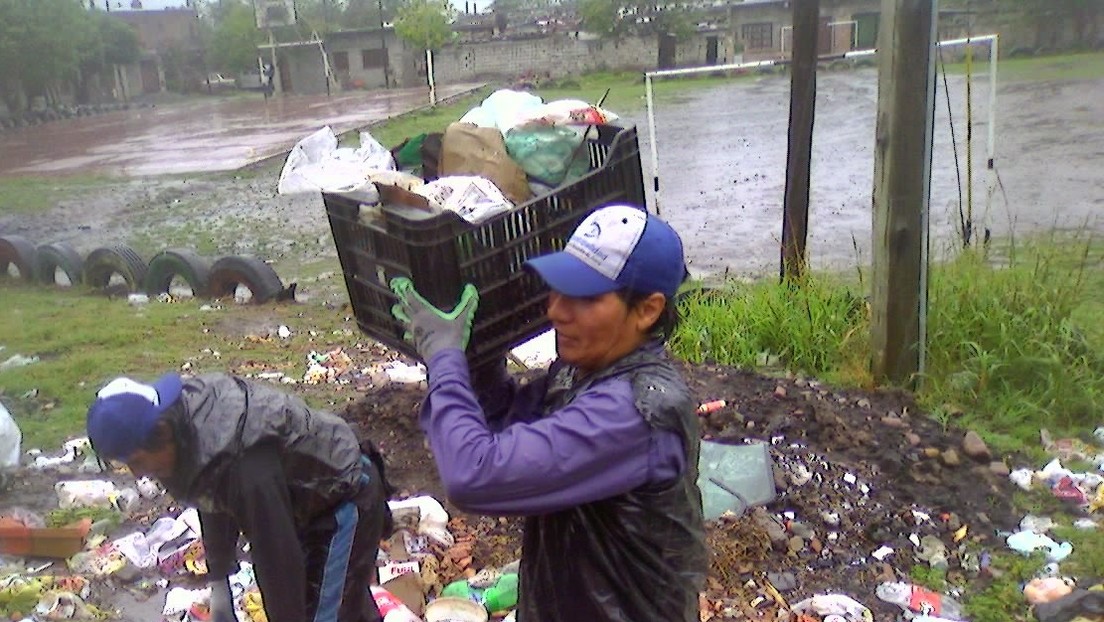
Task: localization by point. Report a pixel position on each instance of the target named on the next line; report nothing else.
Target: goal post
(991, 40)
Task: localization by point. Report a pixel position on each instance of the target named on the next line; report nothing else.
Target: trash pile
(862, 488)
(824, 503)
(507, 150)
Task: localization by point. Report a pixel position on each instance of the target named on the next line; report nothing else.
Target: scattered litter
(18, 361)
(882, 553)
(328, 367)
(713, 406)
(917, 599)
(180, 601)
(136, 300)
(429, 515)
(824, 605)
(400, 372)
(1027, 542)
(1045, 590)
(734, 478)
(283, 332)
(1037, 524)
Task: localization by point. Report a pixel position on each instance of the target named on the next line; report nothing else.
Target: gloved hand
(429, 328)
(222, 601)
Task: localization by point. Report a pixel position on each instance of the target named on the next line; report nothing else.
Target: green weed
(813, 326)
(1003, 347)
(932, 578)
(1002, 600)
(1087, 66)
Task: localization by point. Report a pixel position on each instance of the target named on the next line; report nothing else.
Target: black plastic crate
(441, 252)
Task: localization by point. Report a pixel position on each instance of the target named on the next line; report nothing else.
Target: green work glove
(429, 328)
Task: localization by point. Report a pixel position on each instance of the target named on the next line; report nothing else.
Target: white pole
(429, 76)
(991, 147)
(652, 139)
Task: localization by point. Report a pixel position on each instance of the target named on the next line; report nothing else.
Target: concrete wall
(563, 55)
(305, 70)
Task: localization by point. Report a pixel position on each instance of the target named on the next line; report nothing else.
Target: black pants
(341, 551)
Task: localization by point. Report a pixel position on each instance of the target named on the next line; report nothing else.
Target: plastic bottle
(392, 609)
(920, 600)
(463, 589)
(502, 595)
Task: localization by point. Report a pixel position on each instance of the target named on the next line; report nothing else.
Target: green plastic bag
(546, 152)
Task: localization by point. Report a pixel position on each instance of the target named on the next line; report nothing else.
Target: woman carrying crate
(600, 454)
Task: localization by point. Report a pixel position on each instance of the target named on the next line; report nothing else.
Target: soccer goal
(990, 40)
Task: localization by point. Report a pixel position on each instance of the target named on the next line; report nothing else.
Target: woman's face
(158, 464)
(592, 333)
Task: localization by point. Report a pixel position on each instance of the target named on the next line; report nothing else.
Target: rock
(913, 438)
(893, 421)
(802, 530)
(863, 403)
(816, 545)
(796, 544)
(931, 452)
(976, 448)
(780, 391)
(999, 468)
(950, 458)
(782, 581)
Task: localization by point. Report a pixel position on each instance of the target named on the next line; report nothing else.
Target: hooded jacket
(218, 421)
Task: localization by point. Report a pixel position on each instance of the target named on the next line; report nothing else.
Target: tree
(426, 23)
(1049, 17)
(618, 18)
(235, 38)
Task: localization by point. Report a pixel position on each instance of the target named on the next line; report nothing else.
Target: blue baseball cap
(616, 247)
(122, 418)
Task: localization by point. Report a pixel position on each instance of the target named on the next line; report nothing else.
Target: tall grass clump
(1002, 346)
(809, 325)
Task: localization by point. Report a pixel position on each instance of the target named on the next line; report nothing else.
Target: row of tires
(117, 268)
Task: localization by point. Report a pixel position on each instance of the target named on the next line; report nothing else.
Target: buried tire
(19, 252)
(58, 256)
(249, 272)
(102, 263)
(166, 265)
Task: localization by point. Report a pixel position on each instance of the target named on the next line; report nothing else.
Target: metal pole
(652, 139)
(429, 76)
(991, 145)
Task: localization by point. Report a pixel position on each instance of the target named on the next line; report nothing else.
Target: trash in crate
(499, 155)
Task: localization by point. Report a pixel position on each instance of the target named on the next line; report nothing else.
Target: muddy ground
(729, 211)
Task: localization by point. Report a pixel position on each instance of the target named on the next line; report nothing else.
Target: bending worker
(258, 462)
(601, 453)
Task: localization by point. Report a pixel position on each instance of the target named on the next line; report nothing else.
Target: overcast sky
(173, 4)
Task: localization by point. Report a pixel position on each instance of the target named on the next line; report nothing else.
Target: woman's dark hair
(668, 320)
(160, 436)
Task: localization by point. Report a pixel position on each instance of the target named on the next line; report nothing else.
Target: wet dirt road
(215, 135)
(723, 189)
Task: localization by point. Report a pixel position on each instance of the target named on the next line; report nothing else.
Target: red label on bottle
(925, 601)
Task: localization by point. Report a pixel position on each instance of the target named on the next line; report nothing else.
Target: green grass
(811, 326)
(1002, 599)
(32, 194)
(1085, 66)
(1014, 338)
(83, 340)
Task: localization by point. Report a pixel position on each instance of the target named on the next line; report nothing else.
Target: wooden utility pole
(902, 185)
(803, 66)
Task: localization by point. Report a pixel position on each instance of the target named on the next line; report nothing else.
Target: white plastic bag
(316, 164)
(10, 439)
(503, 109)
(475, 199)
(835, 604)
(565, 112)
(432, 518)
(85, 494)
